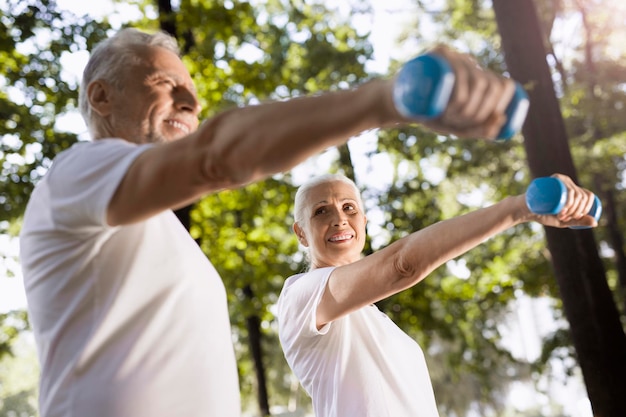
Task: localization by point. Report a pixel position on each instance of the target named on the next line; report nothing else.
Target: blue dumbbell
(548, 195)
(423, 87)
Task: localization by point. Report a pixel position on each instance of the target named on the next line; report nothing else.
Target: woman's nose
(340, 219)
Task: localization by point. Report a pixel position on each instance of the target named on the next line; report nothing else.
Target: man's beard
(155, 137)
(158, 137)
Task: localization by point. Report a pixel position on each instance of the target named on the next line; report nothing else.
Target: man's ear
(99, 96)
(300, 233)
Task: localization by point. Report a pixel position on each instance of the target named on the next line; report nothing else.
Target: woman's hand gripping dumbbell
(557, 196)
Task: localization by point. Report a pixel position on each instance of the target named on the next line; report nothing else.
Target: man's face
(158, 101)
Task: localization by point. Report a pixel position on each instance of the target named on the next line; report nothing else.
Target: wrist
(520, 211)
(380, 91)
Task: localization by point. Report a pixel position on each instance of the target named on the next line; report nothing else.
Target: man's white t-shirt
(129, 321)
(361, 365)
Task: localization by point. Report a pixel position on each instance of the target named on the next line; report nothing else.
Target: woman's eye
(319, 211)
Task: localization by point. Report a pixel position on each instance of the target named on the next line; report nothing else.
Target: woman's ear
(99, 96)
(300, 233)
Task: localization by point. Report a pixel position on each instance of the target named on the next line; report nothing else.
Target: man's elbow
(225, 172)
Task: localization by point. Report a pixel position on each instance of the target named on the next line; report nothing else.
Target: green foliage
(35, 35)
(12, 324)
(248, 54)
(246, 235)
(19, 375)
(242, 53)
(592, 99)
(458, 317)
(238, 53)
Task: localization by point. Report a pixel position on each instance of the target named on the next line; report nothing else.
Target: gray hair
(301, 195)
(112, 57)
(303, 190)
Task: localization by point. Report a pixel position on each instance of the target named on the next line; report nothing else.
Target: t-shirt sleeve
(84, 179)
(297, 306)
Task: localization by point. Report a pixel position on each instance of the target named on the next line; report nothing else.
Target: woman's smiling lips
(342, 237)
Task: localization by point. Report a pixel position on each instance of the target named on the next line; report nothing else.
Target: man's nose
(186, 100)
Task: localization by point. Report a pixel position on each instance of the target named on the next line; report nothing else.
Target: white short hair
(111, 58)
(301, 194)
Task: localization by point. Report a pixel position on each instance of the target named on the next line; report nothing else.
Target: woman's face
(333, 226)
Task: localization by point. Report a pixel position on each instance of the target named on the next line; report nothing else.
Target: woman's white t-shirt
(361, 365)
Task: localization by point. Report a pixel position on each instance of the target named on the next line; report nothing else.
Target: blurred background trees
(242, 53)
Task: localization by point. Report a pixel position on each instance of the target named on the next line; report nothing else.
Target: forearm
(409, 260)
(247, 144)
(423, 251)
(434, 245)
(250, 143)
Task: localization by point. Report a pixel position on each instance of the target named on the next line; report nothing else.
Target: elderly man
(130, 317)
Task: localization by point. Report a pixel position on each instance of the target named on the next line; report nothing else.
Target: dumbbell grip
(548, 195)
(424, 85)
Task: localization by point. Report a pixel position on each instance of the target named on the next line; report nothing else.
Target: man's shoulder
(88, 155)
(97, 145)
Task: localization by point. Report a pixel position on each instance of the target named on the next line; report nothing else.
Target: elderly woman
(349, 356)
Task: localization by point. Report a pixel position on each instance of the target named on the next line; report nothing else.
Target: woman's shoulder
(295, 278)
(309, 276)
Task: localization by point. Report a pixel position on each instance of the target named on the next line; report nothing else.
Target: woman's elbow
(407, 271)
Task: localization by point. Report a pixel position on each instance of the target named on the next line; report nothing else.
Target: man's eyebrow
(175, 77)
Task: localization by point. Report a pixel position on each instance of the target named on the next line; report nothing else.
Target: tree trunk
(255, 336)
(345, 160)
(346, 164)
(617, 243)
(253, 324)
(184, 217)
(167, 23)
(595, 326)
